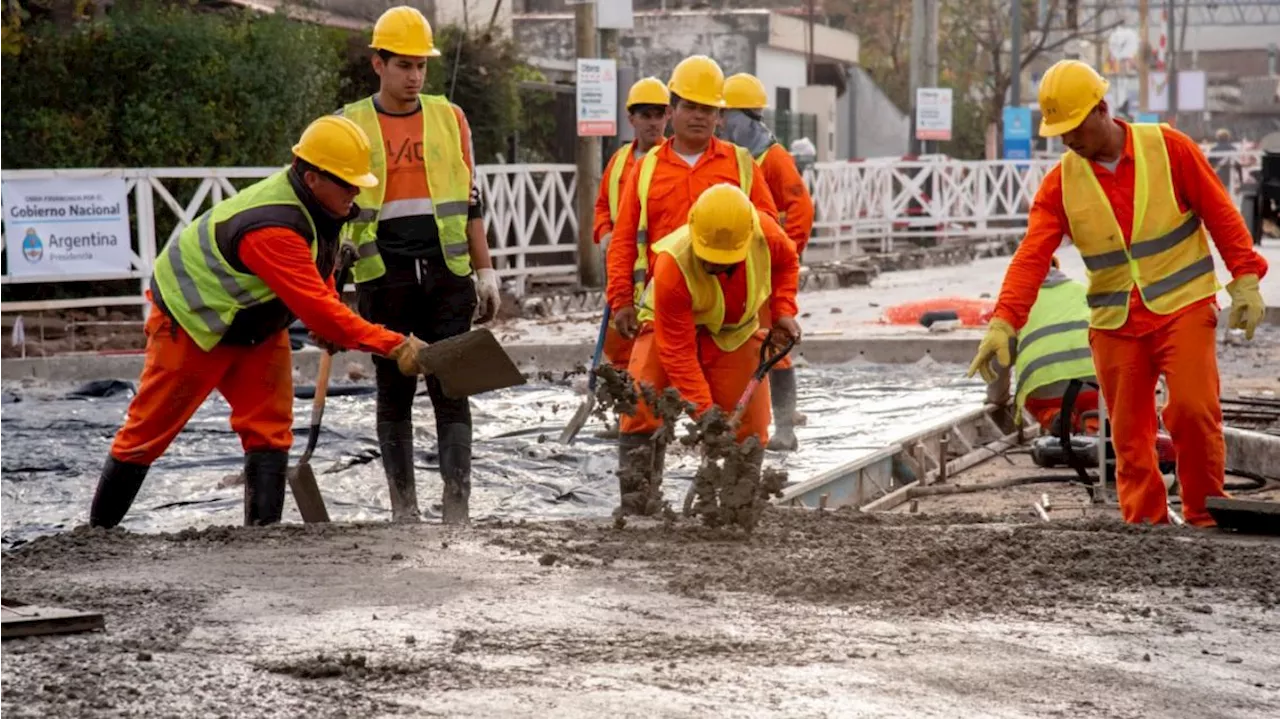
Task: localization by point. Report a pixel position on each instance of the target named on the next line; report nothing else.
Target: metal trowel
(470, 363)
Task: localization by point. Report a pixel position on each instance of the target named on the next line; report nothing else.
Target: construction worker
(743, 124)
(648, 109)
(1224, 163)
(700, 329)
(418, 239)
(1137, 201)
(224, 294)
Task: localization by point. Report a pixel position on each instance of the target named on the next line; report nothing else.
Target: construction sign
(597, 97)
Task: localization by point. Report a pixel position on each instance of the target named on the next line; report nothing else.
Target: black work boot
(455, 470)
(741, 500)
(395, 439)
(782, 394)
(117, 486)
(264, 482)
(641, 458)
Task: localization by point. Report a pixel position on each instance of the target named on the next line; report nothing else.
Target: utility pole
(588, 157)
(609, 50)
(1144, 51)
(1015, 60)
(917, 64)
(1171, 67)
(809, 48)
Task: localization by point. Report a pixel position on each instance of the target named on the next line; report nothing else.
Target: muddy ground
(816, 614)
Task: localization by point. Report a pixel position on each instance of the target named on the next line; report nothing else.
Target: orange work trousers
(766, 321)
(617, 348)
(1045, 410)
(178, 376)
(727, 372)
(1184, 351)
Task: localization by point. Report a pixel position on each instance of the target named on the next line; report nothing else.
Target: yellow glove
(994, 344)
(407, 355)
(1247, 307)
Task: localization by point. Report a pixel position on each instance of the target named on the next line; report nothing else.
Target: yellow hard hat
(404, 31)
(698, 79)
(649, 91)
(745, 92)
(338, 146)
(722, 222)
(1068, 93)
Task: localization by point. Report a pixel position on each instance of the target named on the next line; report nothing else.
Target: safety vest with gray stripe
(198, 279)
(1053, 346)
(1168, 260)
(448, 177)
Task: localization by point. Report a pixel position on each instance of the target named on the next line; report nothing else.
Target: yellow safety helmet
(1068, 93)
(722, 222)
(338, 146)
(649, 91)
(745, 92)
(698, 79)
(404, 31)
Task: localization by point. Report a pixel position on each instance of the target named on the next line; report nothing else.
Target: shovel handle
(317, 403)
(595, 358)
(767, 361)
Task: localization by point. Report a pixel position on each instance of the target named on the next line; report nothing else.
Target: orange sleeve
(1046, 226)
(785, 270)
(1199, 188)
(464, 134)
(675, 333)
(283, 260)
(604, 223)
(761, 197)
(790, 194)
(622, 248)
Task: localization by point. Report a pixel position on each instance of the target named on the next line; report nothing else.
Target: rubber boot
(782, 394)
(117, 486)
(395, 439)
(740, 496)
(264, 482)
(641, 459)
(455, 470)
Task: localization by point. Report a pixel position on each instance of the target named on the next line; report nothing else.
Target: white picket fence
(865, 206)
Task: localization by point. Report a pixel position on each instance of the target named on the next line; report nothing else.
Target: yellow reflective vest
(615, 178)
(1053, 346)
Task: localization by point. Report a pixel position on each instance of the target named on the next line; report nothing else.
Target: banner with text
(597, 97)
(67, 227)
(933, 113)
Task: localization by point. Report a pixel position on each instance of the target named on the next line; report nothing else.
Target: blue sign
(1148, 117)
(1017, 133)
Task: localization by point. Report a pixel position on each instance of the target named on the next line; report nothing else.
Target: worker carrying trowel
(418, 238)
(743, 124)
(648, 108)
(1139, 202)
(224, 293)
(700, 329)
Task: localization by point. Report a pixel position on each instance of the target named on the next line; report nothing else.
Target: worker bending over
(743, 125)
(1137, 200)
(648, 108)
(418, 238)
(700, 329)
(224, 294)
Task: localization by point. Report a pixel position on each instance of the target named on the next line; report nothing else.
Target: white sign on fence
(68, 227)
(597, 97)
(933, 113)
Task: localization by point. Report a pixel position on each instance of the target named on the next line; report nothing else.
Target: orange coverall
(672, 191)
(256, 380)
(1129, 360)
(616, 347)
(673, 351)
(791, 196)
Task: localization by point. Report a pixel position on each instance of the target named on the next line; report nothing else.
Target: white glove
(488, 298)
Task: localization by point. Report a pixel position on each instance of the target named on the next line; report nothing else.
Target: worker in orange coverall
(1137, 201)
(225, 292)
(701, 333)
(648, 108)
(743, 124)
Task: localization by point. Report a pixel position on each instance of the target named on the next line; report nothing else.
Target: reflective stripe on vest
(640, 273)
(782, 213)
(1053, 346)
(197, 285)
(1168, 260)
(708, 295)
(448, 178)
(615, 178)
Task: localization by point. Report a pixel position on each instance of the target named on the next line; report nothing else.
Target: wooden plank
(29, 620)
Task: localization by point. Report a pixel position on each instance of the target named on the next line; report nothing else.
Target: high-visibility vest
(640, 273)
(708, 295)
(196, 283)
(782, 212)
(615, 178)
(1169, 257)
(448, 177)
(1053, 346)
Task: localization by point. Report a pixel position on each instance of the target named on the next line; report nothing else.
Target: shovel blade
(470, 363)
(578, 421)
(306, 493)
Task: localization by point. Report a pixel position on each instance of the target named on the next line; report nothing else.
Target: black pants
(425, 298)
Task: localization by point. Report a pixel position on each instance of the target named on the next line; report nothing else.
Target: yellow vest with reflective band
(650, 162)
(782, 214)
(1169, 258)
(615, 178)
(201, 290)
(447, 176)
(1053, 346)
(708, 295)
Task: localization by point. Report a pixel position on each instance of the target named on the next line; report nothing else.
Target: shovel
(584, 410)
(470, 363)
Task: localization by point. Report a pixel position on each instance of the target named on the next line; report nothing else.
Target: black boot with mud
(264, 484)
(395, 439)
(455, 470)
(730, 488)
(782, 395)
(641, 458)
(117, 487)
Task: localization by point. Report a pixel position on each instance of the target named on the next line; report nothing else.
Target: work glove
(1247, 307)
(488, 298)
(785, 329)
(332, 348)
(995, 344)
(408, 354)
